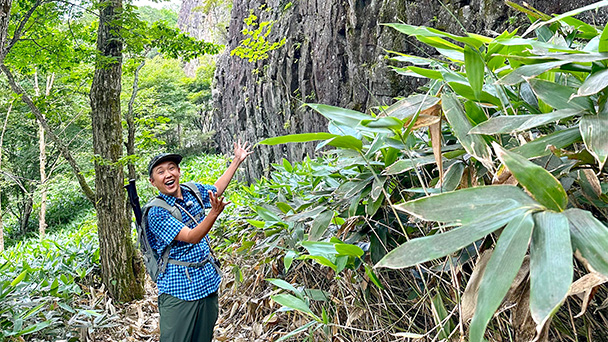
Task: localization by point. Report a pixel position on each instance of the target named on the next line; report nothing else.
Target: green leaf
(349, 250)
(590, 237)
(387, 122)
(526, 71)
(423, 31)
(280, 283)
(288, 259)
(603, 44)
(539, 147)
(404, 165)
(342, 116)
(295, 303)
(468, 205)
(417, 71)
(297, 331)
(500, 271)
(408, 107)
(19, 278)
(559, 96)
(541, 184)
(321, 260)
(320, 224)
(440, 315)
(594, 130)
(551, 268)
(517, 123)
(297, 138)
(593, 6)
(475, 145)
(346, 141)
(595, 83)
(372, 276)
(452, 177)
(431, 247)
(467, 92)
(475, 69)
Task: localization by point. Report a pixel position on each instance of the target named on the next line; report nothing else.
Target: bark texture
(335, 54)
(121, 272)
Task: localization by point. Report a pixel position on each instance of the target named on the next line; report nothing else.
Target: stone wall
(334, 54)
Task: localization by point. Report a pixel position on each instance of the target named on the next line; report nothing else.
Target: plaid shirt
(187, 283)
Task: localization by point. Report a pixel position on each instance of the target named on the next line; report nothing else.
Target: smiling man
(187, 289)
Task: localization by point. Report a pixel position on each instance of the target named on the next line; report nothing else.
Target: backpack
(157, 264)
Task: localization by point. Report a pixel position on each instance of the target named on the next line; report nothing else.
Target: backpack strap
(164, 259)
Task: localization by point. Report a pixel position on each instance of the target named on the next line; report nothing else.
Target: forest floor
(246, 311)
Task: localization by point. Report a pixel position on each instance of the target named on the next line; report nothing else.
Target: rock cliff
(334, 54)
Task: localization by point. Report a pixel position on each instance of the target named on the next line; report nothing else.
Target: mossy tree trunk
(122, 274)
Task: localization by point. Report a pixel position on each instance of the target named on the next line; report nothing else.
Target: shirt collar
(170, 199)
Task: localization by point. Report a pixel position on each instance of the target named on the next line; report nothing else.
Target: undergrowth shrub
(42, 280)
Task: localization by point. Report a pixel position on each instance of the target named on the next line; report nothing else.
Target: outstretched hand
(241, 151)
(217, 203)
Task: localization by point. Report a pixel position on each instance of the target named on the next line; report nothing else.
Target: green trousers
(185, 321)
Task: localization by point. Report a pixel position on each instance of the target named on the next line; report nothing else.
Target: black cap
(163, 157)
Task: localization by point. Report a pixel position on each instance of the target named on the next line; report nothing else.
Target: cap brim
(176, 158)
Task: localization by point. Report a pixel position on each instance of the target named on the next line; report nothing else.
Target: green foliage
(40, 282)
(532, 99)
(256, 46)
(151, 15)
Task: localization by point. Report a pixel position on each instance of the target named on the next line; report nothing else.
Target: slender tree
(8, 113)
(121, 271)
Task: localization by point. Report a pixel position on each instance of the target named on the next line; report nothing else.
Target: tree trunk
(5, 11)
(8, 112)
(122, 274)
(26, 211)
(42, 158)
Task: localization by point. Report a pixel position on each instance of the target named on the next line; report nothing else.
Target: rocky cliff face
(334, 54)
(203, 20)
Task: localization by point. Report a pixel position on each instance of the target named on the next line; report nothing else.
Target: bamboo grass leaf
(594, 130)
(559, 96)
(468, 205)
(603, 43)
(539, 147)
(520, 74)
(500, 271)
(408, 107)
(473, 144)
(340, 115)
(296, 138)
(518, 123)
(551, 268)
(431, 247)
(594, 83)
(547, 190)
(589, 237)
(295, 303)
(320, 224)
(475, 69)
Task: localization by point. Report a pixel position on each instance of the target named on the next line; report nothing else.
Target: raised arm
(241, 152)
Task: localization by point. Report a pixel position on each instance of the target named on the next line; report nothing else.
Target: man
(188, 299)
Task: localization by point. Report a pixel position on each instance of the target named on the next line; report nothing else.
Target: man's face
(165, 177)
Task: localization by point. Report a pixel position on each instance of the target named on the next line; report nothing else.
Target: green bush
(41, 281)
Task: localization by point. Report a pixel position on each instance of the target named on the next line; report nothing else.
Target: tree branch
(65, 152)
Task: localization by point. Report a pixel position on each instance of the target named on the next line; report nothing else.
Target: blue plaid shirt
(187, 283)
